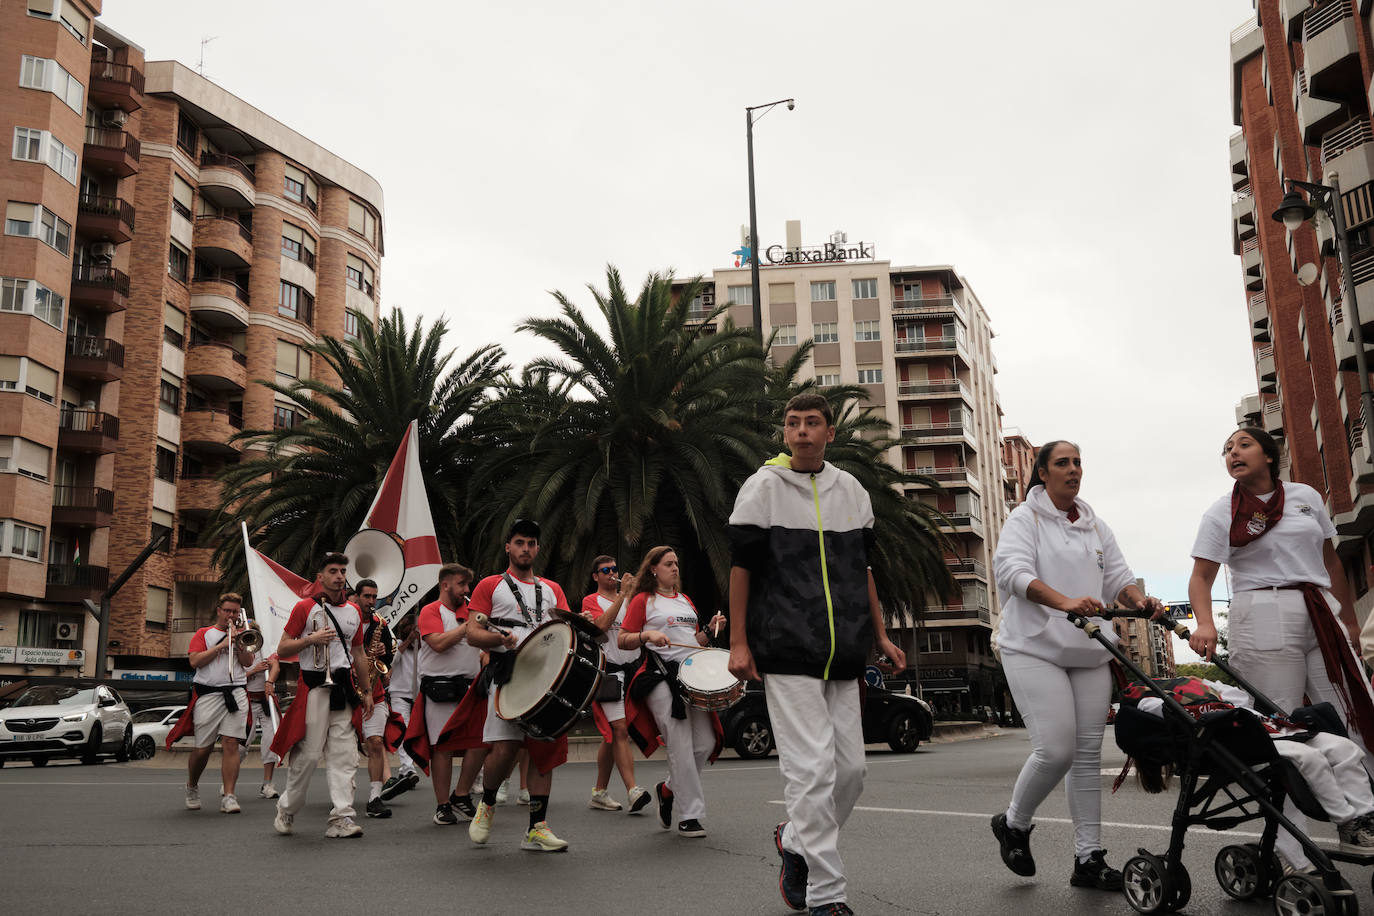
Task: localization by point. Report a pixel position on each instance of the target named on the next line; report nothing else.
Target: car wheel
(754, 737)
(126, 747)
(38, 760)
(903, 733)
(144, 748)
(91, 752)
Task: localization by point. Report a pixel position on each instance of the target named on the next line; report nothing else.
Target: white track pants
(690, 742)
(262, 722)
(1065, 710)
(331, 740)
(818, 727)
(402, 706)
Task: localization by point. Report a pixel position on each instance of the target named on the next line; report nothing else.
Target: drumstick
(683, 645)
(485, 621)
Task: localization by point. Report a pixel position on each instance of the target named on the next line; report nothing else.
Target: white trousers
(1273, 646)
(1065, 710)
(690, 742)
(262, 722)
(818, 727)
(331, 740)
(402, 705)
(1333, 767)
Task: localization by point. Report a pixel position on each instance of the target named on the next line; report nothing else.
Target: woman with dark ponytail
(1292, 618)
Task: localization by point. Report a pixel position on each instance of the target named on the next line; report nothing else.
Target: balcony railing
(965, 566)
(1264, 353)
(931, 305)
(111, 72)
(932, 430)
(926, 344)
(1345, 138)
(97, 205)
(234, 418)
(83, 420)
(915, 388)
(98, 275)
(78, 575)
(1324, 17)
(1245, 28)
(239, 292)
(113, 139)
(96, 498)
(101, 348)
(220, 160)
(939, 473)
(244, 231)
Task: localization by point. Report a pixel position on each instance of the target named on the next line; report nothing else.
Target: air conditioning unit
(103, 251)
(66, 631)
(115, 118)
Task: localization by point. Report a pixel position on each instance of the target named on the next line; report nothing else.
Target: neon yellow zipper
(825, 577)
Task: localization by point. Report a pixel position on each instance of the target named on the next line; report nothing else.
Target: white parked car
(76, 719)
(151, 727)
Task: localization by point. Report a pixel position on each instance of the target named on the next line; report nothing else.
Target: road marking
(20, 785)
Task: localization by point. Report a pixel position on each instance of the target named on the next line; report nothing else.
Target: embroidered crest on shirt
(1305, 510)
(1100, 563)
(1258, 522)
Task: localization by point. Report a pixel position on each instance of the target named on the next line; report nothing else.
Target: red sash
(462, 731)
(644, 730)
(292, 729)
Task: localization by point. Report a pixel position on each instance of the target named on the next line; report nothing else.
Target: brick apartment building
(1300, 91)
(919, 340)
(165, 245)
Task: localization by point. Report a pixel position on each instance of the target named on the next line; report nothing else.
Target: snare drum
(706, 680)
(556, 673)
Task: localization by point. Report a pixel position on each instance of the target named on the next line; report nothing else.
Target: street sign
(873, 676)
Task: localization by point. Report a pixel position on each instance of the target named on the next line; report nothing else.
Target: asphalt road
(116, 839)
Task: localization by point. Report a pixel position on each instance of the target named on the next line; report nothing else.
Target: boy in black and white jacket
(804, 612)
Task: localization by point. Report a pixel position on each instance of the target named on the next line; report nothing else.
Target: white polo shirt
(1289, 553)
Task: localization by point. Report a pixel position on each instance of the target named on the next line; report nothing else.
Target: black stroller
(1229, 773)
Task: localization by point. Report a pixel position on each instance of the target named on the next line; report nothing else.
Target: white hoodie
(1075, 559)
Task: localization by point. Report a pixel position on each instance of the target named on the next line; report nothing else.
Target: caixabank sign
(830, 252)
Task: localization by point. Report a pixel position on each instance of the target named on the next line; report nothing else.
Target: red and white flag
(402, 509)
(275, 591)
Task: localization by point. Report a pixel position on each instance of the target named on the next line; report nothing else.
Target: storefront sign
(27, 655)
(6, 655)
(126, 674)
(830, 252)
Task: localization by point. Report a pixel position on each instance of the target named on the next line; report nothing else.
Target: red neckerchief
(1252, 517)
(1073, 514)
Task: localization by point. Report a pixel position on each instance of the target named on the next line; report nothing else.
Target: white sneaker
(192, 798)
(228, 804)
(602, 801)
(541, 839)
(639, 799)
(524, 796)
(503, 793)
(282, 823)
(343, 828)
(267, 790)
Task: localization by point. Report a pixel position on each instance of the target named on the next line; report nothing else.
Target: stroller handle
(1110, 613)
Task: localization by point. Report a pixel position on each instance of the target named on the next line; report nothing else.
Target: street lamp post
(1293, 211)
(753, 214)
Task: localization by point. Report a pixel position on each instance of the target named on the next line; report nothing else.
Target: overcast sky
(1069, 159)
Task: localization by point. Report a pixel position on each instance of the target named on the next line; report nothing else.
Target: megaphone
(376, 555)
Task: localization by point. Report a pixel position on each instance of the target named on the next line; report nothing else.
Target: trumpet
(321, 652)
(248, 638)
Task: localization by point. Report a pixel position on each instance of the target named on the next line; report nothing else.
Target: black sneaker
(1095, 873)
(832, 909)
(443, 816)
(691, 827)
(665, 806)
(1015, 845)
(378, 808)
(396, 785)
(462, 805)
(792, 875)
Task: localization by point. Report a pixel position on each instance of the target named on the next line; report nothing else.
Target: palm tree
(304, 489)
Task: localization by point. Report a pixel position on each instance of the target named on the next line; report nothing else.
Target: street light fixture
(753, 214)
(1293, 211)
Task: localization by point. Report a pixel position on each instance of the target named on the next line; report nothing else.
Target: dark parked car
(900, 720)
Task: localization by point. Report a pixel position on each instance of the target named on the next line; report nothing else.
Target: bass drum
(555, 677)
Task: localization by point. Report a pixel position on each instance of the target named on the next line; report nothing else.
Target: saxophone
(376, 648)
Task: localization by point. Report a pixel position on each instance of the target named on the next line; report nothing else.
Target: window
(162, 523)
(178, 262)
(61, 158)
(828, 380)
(19, 373)
(159, 599)
(174, 326)
(823, 291)
(295, 302)
(28, 144)
(21, 219)
(20, 456)
(56, 233)
(285, 416)
(358, 274)
(350, 325)
(786, 336)
(935, 643)
(297, 244)
(183, 198)
(65, 12)
(870, 376)
(865, 289)
(292, 360)
(48, 75)
(867, 330)
(739, 295)
(825, 332)
(188, 137)
(911, 291)
(361, 221)
(33, 298)
(169, 393)
(23, 541)
(165, 465)
(294, 187)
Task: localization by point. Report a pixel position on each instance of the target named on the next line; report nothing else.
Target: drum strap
(538, 617)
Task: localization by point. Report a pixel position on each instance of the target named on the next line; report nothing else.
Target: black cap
(526, 526)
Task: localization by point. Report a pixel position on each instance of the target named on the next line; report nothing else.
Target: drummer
(664, 620)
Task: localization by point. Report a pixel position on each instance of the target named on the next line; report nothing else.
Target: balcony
(938, 433)
(209, 429)
(1273, 417)
(1290, 14)
(96, 358)
(966, 566)
(198, 493)
(1252, 260)
(1264, 364)
(934, 391)
(932, 307)
(90, 431)
(1249, 410)
(1242, 218)
(947, 612)
(946, 477)
(215, 365)
(115, 85)
(1349, 150)
(71, 582)
(1315, 116)
(1259, 317)
(82, 507)
(1331, 49)
(99, 288)
(1240, 171)
(111, 152)
(227, 182)
(219, 303)
(108, 218)
(226, 243)
(193, 565)
(963, 523)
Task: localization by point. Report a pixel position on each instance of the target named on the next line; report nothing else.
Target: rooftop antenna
(205, 40)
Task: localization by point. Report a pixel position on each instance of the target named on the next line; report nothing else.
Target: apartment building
(918, 339)
(1300, 93)
(165, 246)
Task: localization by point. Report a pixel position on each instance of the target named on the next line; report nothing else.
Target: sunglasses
(604, 570)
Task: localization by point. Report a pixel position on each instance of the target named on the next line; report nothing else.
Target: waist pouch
(341, 694)
(444, 688)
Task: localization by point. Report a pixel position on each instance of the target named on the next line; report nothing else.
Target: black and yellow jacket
(805, 539)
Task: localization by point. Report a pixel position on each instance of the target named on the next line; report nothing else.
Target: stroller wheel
(1148, 885)
(1303, 895)
(1183, 887)
(1240, 872)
